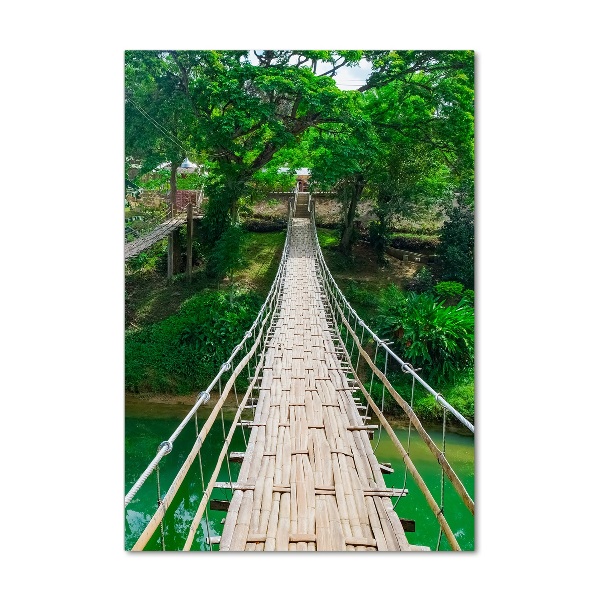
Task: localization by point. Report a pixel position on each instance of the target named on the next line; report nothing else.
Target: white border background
(537, 215)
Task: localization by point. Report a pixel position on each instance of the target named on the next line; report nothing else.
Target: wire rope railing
(347, 324)
(247, 358)
(241, 360)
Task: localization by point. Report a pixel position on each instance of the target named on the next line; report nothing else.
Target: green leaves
(438, 338)
(183, 352)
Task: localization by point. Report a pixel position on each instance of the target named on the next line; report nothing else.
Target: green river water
(147, 424)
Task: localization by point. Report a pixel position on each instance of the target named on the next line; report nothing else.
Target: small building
(302, 178)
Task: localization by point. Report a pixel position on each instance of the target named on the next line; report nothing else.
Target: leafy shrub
(227, 256)
(457, 247)
(469, 297)
(449, 290)
(264, 225)
(183, 352)
(422, 281)
(357, 295)
(154, 258)
(438, 338)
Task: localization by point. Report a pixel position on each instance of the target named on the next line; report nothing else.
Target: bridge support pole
(170, 257)
(173, 202)
(190, 233)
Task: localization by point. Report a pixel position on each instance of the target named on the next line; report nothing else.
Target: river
(147, 424)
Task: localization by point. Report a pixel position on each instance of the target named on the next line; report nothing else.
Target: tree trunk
(190, 235)
(355, 194)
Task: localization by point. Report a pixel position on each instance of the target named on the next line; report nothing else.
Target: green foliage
(469, 297)
(438, 338)
(161, 181)
(423, 281)
(264, 225)
(184, 351)
(457, 247)
(149, 260)
(358, 295)
(460, 393)
(227, 255)
(449, 290)
(327, 238)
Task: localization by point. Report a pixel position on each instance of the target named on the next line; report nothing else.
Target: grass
(150, 298)
(262, 252)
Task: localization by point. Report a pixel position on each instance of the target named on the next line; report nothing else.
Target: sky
(347, 78)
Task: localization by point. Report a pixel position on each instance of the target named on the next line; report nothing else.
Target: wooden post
(190, 233)
(171, 239)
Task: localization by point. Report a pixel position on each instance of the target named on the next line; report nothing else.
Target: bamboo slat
(309, 479)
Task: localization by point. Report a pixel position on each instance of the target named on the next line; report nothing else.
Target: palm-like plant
(438, 338)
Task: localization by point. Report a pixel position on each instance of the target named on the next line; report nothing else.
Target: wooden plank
(361, 541)
(231, 519)
(302, 537)
(408, 525)
(387, 492)
(237, 457)
(222, 505)
(236, 485)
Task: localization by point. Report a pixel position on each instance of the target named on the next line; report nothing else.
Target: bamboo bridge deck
(309, 479)
(158, 233)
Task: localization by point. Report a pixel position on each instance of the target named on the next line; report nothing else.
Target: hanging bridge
(160, 227)
(309, 476)
(162, 230)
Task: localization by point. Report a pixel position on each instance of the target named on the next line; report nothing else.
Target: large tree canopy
(239, 111)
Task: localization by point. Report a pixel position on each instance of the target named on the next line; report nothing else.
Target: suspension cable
(437, 396)
(203, 397)
(158, 503)
(443, 478)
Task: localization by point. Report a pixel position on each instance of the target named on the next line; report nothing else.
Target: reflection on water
(148, 424)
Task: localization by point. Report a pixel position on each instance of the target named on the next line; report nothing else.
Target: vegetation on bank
(394, 154)
(183, 352)
(179, 334)
(429, 320)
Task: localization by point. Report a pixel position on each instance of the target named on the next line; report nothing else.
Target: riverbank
(168, 406)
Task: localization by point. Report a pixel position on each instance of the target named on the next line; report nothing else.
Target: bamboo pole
(200, 512)
(164, 505)
(413, 471)
(453, 478)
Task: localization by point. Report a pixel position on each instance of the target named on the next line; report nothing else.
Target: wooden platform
(309, 479)
(136, 246)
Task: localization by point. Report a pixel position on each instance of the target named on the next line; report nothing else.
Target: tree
(406, 141)
(243, 110)
(246, 111)
(457, 247)
(344, 156)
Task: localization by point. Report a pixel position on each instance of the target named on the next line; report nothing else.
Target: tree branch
(335, 68)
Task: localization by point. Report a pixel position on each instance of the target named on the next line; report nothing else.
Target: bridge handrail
(166, 446)
(406, 367)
